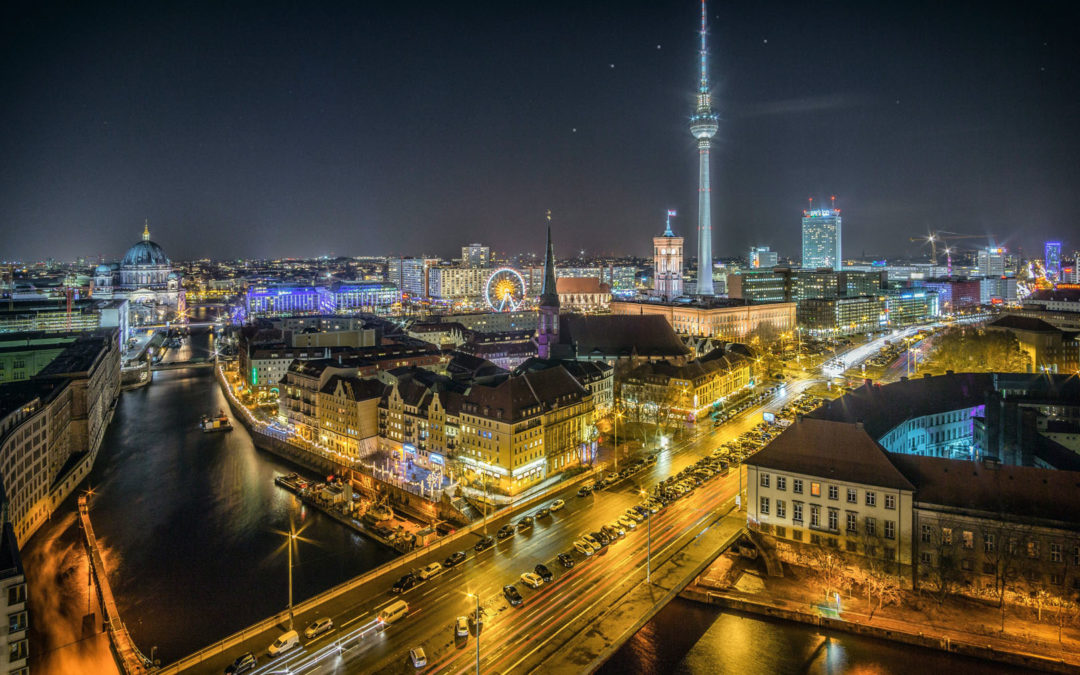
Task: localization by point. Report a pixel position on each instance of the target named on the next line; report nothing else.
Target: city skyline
(215, 123)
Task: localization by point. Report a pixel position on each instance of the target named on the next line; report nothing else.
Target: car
(525, 523)
(591, 539)
(583, 547)
(461, 627)
(484, 544)
(284, 643)
(543, 513)
(429, 571)
(612, 476)
(617, 528)
(634, 515)
(627, 521)
(557, 504)
(404, 583)
(513, 595)
(601, 537)
(454, 559)
(242, 664)
(418, 657)
(318, 627)
(532, 579)
(505, 531)
(584, 491)
(544, 572)
(477, 621)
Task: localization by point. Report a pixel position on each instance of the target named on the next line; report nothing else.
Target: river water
(191, 527)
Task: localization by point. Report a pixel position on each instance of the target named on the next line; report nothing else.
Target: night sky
(406, 128)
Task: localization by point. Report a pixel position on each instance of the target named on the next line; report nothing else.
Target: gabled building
(347, 410)
(687, 391)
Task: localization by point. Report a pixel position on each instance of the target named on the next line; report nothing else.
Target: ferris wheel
(505, 290)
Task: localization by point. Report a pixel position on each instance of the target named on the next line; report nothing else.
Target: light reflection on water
(688, 638)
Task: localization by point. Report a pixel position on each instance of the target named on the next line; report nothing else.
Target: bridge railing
(398, 563)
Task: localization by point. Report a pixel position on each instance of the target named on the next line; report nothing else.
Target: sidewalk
(959, 625)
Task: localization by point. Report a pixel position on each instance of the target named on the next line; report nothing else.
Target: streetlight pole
(292, 537)
(648, 543)
(477, 598)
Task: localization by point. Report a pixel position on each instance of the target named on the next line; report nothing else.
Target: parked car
(544, 572)
(461, 627)
(454, 559)
(286, 641)
(583, 547)
(242, 664)
(484, 544)
(557, 504)
(505, 531)
(532, 579)
(318, 627)
(513, 595)
(429, 571)
(543, 513)
(404, 583)
(566, 559)
(525, 523)
(418, 657)
(584, 491)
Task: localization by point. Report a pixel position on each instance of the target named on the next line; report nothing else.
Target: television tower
(703, 126)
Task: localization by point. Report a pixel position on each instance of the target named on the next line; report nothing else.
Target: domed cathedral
(145, 278)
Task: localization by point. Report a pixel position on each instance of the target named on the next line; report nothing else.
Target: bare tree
(1066, 612)
(878, 574)
(830, 568)
(1004, 559)
(941, 571)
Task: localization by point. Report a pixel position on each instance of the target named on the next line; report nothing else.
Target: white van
(284, 643)
(392, 612)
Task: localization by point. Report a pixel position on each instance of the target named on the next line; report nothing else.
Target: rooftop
(614, 336)
(1023, 491)
(827, 449)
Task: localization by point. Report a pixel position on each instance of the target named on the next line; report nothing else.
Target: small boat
(219, 423)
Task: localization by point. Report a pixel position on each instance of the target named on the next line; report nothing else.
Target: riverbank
(957, 626)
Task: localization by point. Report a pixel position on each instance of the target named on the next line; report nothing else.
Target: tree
(941, 571)
(974, 350)
(878, 574)
(1003, 559)
(830, 568)
(1066, 612)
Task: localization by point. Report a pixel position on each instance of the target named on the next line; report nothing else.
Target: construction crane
(941, 236)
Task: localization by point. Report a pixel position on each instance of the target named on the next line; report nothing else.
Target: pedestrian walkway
(131, 660)
(959, 625)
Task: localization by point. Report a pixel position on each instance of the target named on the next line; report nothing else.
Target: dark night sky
(375, 128)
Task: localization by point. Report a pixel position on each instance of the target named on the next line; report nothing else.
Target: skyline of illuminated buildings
(821, 237)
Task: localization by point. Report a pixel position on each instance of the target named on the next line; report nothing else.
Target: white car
(532, 579)
(618, 527)
(583, 547)
(557, 504)
(627, 522)
(430, 571)
(461, 627)
(418, 657)
(630, 513)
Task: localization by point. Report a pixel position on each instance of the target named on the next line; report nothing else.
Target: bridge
(198, 362)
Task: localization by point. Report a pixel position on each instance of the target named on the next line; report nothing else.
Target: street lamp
(648, 559)
(476, 597)
(617, 416)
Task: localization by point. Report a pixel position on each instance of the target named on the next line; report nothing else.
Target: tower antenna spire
(146, 230)
(668, 232)
(704, 124)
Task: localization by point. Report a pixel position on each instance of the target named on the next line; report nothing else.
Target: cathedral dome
(144, 253)
(103, 269)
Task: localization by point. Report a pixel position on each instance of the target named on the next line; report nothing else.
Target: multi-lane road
(513, 635)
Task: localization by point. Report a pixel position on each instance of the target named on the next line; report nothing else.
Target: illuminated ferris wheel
(505, 290)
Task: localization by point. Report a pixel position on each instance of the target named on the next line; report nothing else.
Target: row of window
(966, 541)
(797, 485)
(870, 524)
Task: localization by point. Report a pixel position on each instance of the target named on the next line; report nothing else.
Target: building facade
(761, 257)
(146, 279)
(821, 239)
(727, 320)
(668, 264)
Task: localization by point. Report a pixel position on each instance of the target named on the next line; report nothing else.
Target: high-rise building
(1053, 259)
(703, 126)
(991, 262)
(547, 330)
(667, 263)
(762, 258)
(475, 255)
(410, 274)
(821, 237)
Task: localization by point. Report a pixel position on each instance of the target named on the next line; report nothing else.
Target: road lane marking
(354, 619)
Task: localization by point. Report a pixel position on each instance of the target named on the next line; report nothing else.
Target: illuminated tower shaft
(703, 126)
